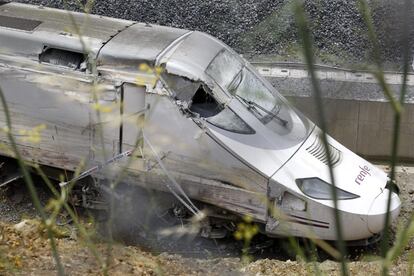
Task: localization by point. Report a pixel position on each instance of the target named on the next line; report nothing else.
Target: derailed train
(225, 135)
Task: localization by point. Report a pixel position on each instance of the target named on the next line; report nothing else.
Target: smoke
(156, 221)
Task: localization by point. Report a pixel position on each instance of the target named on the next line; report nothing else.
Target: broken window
(183, 88)
(201, 102)
(64, 58)
(204, 104)
(198, 96)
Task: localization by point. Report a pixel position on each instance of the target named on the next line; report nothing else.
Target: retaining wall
(358, 114)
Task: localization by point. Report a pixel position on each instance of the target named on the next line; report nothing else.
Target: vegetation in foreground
(40, 246)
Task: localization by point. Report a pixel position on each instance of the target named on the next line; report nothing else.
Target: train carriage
(224, 135)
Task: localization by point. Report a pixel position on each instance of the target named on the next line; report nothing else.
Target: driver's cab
(224, 94)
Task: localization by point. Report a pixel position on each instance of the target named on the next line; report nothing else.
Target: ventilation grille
(317, 149)
(18, 23)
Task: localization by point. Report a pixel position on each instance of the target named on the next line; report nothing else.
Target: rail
(326, 72)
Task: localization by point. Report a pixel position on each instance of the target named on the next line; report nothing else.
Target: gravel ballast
(267, 27)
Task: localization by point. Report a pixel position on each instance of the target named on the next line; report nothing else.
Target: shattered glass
(205, 105)
(183, 88)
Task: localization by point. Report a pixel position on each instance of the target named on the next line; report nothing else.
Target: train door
(105, 120)
(132, 110)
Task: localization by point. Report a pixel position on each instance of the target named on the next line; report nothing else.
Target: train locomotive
(220, 130)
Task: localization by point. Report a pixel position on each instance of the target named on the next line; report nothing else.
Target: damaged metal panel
(62, 102)
(140, 43)
(183, 88)
(187, 61)
(50, 125)
(189, 150)
(223, 195)
(57, 30)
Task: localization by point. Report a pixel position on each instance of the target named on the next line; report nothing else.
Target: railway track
(326, 72)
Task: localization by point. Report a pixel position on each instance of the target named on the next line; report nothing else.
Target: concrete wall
(365, 127)
(358, 114)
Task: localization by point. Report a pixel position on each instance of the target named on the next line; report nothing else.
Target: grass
(404, 235)
(397, 105)
(304, 33)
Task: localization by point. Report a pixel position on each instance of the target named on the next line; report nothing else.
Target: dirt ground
(25, 250)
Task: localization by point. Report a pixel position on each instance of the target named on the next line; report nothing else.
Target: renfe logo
(362, 174)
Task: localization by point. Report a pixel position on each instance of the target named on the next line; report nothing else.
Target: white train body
(226, 135)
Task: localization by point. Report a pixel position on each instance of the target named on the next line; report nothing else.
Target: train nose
(378, 210)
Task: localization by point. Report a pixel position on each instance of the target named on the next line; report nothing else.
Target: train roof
(28, 30)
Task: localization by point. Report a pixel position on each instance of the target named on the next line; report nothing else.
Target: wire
(189, 204)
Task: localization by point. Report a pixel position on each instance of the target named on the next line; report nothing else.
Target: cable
(192, 208)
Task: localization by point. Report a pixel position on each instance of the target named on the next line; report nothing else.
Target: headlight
(319, 189)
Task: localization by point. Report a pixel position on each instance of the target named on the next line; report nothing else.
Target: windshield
(224, 67)
(248, 88)
(233, 76)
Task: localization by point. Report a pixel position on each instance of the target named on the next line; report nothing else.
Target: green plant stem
(63, 201)
(404, 235)
(397, 126)
(304, 33)
(95, 99)
(411, 264)
(30, 185)
(396, 105)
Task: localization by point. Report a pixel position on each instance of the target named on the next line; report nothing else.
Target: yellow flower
(17, 261)
(5, 129)
(238, 235)
(246, 230)
(248, 219)
(101, 108)
(143, 67)
(158, 70)
(32, 135)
